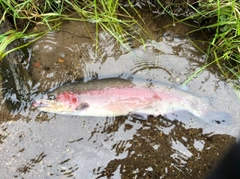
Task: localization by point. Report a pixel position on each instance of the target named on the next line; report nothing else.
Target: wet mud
(34, 144)
(14, 70)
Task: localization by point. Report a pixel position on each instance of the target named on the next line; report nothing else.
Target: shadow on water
(34, 144)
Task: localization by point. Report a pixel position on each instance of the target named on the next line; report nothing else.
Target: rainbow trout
(117, 97)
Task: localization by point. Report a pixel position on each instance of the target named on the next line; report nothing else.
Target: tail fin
(212, 117)
(221, 118)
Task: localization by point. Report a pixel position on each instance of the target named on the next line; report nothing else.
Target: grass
(223, 18)
(104, 14)
(224, 45)
(12, 35)
(29, 12)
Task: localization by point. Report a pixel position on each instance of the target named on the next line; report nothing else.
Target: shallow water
(39, 145)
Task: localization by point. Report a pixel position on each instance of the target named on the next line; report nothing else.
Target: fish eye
(51, 97)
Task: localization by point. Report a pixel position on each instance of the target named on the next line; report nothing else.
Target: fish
(118, 97)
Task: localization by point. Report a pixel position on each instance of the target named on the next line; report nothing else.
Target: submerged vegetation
(221, 17)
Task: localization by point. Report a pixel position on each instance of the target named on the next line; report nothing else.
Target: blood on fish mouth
(38, 104)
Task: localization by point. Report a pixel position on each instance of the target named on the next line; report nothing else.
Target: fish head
(65, 102)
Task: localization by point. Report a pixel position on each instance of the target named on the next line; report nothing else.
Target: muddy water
(40, 145)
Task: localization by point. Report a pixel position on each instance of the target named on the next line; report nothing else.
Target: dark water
(39, 145)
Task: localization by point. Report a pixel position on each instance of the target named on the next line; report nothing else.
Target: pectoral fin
(82, 106)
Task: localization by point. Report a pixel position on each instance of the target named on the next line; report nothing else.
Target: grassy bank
(104, 14)
(221, 17)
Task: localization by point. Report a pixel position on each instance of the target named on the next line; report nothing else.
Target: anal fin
(140, 116)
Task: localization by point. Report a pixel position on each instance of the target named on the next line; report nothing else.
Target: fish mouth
(40, 103)
(46, 105)
(51, 106)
